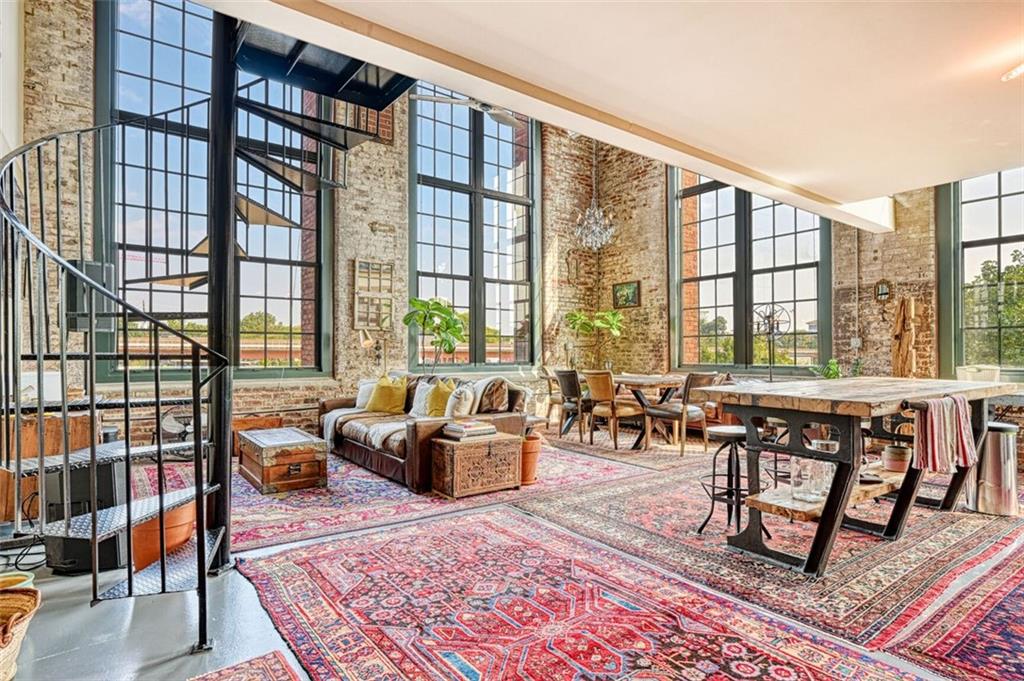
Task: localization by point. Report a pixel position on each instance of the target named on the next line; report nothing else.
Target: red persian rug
(500, 595)
(269, 667)
(872, 587)
(356, 498)
(978, 634)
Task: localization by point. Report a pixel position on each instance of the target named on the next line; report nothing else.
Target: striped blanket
(943, 437)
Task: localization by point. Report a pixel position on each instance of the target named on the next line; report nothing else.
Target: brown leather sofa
(405, 455)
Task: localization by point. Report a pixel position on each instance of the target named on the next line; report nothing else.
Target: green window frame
(980, 237)
(731, 251)
(473, 231)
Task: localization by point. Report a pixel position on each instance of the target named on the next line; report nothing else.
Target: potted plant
(607, 324)
(437, 319)
(831, 369)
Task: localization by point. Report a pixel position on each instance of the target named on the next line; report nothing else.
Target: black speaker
(72, 556)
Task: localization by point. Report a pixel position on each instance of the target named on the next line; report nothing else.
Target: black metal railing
(60, 312)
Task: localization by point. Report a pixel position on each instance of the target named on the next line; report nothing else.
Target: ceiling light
(1013, 73)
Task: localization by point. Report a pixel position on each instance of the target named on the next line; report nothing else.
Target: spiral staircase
(60, 311)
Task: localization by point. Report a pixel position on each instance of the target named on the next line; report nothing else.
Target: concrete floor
(143, 638)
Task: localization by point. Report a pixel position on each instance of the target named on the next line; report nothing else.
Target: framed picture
(626, 294)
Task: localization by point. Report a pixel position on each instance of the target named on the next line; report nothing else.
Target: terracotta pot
(531, 450)
(178, 524)
(896, 458)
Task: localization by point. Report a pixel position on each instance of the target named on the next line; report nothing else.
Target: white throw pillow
(461, 402)
(419, 400)
(365, 390)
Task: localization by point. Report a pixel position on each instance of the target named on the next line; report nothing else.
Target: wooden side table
(476, 465)
(282, 459)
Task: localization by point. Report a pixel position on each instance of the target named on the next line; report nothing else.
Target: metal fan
(497, 114)
(773, 321)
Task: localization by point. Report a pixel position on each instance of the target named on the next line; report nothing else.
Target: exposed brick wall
(634, 187)
(570, 273)
(372, 223)
(905, 257)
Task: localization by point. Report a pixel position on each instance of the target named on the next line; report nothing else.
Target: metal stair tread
(82, 404)
(105, 452)
(181, 570)
(114, 519)
(297, 178)
(338, 136)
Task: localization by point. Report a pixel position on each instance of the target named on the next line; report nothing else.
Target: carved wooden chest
(476, 465)
(282, 459)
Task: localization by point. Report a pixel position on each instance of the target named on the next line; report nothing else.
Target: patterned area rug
(660, 456)
(269, 667)
(356, 498)
(980, 632)
(499, 595)
(872, 587)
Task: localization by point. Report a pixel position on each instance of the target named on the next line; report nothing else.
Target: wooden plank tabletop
(780, 501)
(642, 381)
(864, 396)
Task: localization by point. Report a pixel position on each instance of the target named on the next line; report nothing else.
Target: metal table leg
(847, 461)
(666, 395)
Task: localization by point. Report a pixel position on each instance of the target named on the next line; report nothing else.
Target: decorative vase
(178, 523)
(897, 458)
(531, 450)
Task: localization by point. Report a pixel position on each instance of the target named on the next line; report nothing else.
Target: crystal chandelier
(594, 227)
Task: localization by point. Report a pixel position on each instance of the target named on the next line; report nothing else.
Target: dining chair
(574, 401)
(607, 405)
(681, 413)
(554, 395)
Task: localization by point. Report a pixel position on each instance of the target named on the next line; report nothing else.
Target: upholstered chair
(554, 394)
(607, 405)
(682, 413)
(574, 401)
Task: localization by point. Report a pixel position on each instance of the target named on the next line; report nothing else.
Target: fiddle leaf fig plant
(437, 319)
(608, 324)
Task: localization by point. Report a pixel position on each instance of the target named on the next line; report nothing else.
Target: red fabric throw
(943, 436)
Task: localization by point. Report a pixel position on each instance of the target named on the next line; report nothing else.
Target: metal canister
(992, 485)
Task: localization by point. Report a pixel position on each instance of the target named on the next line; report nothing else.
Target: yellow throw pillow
(437, 399)
(388, 396)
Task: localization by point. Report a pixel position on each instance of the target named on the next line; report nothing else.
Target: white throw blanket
(329, 420)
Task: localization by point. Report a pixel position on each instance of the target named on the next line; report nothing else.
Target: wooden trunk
(282, 459)
(241, 423)
(477, 465)
(53, 443)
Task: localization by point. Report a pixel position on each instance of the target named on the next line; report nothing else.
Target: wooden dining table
(842, 406)
(666, 384)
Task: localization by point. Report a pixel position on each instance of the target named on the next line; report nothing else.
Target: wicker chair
(573, 399)
(681, 413)
(607, 405)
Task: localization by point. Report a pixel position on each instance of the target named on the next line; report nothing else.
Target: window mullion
(743, 284)
(477, 298)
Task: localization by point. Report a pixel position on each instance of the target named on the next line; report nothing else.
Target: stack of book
(463, 430)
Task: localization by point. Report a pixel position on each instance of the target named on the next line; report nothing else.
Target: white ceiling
(828, 103)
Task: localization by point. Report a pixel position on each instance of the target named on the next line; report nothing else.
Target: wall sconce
(379, 345)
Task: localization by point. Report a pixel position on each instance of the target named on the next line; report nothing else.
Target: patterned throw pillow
(388, 396)
(420, 407)
(494, 398)
(440, 393)
(461, 402)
